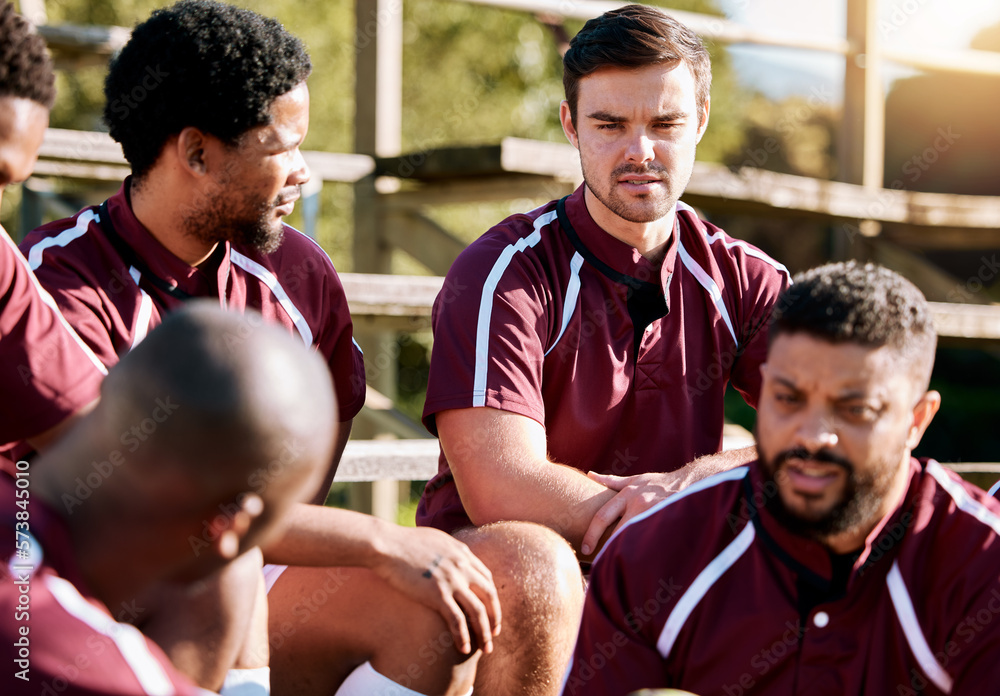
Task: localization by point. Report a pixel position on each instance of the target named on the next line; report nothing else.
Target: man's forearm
(325, 536)
(710, 464)
(557, 496)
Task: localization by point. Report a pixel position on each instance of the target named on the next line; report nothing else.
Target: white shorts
(365, 681)
(271, 574)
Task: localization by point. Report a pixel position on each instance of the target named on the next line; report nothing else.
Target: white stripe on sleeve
(572, 296)
(963, 500)
(486, 304)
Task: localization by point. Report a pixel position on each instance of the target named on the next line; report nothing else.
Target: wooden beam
(78, 39)
(423, 239)
(413, 296)
(500, 187)
(980, 322)
(391, 295)
(74, 154)
(862, 150)
(966, 62)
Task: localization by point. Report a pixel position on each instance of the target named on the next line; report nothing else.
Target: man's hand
(441, 572)
(636, 494)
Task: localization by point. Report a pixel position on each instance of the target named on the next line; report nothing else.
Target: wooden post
(862, 150)
(377, 132)
(862, 145)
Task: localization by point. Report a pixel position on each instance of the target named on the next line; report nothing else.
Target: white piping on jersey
(749, 250)
(707, 482)
(145, 311)
(486, 304)
(911, 629)
(83, 221)
(147, 669)
(996, 487)
(963, 500)
(701, 585)
(268, 278)
(720, 236)
(50, 301)
(706, 282)
(572, 296)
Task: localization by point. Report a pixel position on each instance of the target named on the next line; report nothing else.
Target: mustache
(821, 456)
(653, 168)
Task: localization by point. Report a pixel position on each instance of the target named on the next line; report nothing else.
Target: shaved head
(220, 396)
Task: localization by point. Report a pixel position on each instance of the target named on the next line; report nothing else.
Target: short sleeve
(763, 282)
(489, 324)
(46, 372)
(335, 340)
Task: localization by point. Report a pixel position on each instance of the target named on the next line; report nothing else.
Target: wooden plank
(79, 39)
(391, 295)
(502, 187)
(980, 322)
(401, 460)
(417, 460)
(423, 239)
(71, 153)
(966, 62)
(413, 296)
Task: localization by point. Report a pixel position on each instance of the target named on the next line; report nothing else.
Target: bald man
(182, 469)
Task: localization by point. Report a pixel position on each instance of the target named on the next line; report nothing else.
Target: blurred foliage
(793, 136)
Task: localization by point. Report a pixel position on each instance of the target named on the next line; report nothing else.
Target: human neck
(157, 205)
(651, 239)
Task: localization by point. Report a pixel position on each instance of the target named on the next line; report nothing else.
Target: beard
(241, 220)
(858, 505)
(649, 209)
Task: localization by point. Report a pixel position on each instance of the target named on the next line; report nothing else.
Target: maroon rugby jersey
(46, 372)
(625, 364)
(55, 637)
(113, 306)
(707, 592)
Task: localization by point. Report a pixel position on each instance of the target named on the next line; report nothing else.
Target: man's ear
(230, 530)
(703, 125)
(923, 414)
(191, 145)
(566, 117)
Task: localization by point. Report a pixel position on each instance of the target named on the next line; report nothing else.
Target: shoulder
(66, 242)
(960, 506)
(741, 260)
(701, 512)
(519, 239)
(299, 266)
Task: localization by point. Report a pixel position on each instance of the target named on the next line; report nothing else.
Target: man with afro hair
(210, 105)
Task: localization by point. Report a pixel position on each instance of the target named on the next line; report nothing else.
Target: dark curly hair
(634, 36)
(203, 64)
(25, 67)
(864, 304)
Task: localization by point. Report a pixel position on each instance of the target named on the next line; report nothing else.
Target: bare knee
(541, 596)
